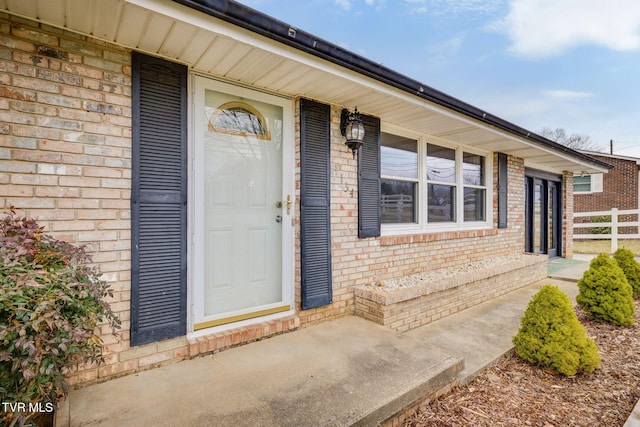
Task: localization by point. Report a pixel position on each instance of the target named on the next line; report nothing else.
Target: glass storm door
(538, 218)
(553, 219)
(542, 216)
(241, 207)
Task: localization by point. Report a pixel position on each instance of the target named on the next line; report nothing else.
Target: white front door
(243, 244)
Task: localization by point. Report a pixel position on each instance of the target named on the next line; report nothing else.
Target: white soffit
(211, 46)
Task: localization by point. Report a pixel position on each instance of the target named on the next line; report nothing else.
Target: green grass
(604, 246)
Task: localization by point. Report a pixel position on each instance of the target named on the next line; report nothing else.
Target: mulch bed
(514, 393)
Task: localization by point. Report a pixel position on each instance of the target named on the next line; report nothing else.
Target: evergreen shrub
(627, 262)
(604, 293)
(552, 337)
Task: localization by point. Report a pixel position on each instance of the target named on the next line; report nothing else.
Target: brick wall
(65, 144)
(424, 299)
(65, 159)
(620, 188)
(567, 215)
(358, 261)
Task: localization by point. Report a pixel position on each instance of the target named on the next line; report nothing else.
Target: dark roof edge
(264, 25)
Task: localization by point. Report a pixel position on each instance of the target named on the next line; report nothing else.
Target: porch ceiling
(212, 46)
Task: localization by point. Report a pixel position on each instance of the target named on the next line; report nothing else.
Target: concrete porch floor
(349, 371)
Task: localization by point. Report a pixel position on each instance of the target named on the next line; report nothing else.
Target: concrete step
(349, 371)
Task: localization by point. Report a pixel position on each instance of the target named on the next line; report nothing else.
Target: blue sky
(572, 64)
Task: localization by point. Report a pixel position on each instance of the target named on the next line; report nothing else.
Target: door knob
(279, 204)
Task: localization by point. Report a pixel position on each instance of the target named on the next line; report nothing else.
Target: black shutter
(158, 200)
(315, 202)
(503, 190)
(369, 179)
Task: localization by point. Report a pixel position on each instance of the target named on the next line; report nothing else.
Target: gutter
(264, 25)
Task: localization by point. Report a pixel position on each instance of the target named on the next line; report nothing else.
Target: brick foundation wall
(410, 307)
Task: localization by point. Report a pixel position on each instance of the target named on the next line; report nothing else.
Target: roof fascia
(264, 25)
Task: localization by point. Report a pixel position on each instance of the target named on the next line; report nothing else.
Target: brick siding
(358, 261)
(619, 188)
(65, 150)
(567, 215)
(65, 159)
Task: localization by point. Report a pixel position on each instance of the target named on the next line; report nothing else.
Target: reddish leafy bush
(51, 303)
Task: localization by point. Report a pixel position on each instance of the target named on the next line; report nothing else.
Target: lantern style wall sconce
(352, 128)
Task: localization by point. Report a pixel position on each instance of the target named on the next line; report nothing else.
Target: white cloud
(445, 49)
(562, 94)
(543, 28)
(453, 6)
(345, 4)
(348, 4)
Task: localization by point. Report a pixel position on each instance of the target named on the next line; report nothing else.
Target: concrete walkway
(349, 371)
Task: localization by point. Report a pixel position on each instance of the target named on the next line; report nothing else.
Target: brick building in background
(618, 188)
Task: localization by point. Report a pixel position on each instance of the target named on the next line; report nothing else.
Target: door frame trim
(197, 324)
(532, 175)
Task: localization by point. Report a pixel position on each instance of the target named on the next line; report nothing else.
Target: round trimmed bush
(552, 337)
(627, 262)
(604, 293)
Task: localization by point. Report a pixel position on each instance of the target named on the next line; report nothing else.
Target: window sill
(435, 236)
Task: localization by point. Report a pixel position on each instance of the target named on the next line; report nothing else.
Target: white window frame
(595, 184)
(420, 152)
(422, 226)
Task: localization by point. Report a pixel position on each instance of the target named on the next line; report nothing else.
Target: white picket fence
(614, 224)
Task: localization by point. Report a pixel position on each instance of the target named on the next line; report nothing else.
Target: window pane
(238, 118)
(474, 204)
(582, 183)
(537, 218)
(442, 205)
(441, 164)
(399, 156)
(473, 169)
(398, 202)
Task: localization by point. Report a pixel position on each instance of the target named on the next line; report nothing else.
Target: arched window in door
(238, 118)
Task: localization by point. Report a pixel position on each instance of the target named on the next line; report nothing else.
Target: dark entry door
(542, 216)
(553, 219)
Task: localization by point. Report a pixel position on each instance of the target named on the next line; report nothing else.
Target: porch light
(352, 128)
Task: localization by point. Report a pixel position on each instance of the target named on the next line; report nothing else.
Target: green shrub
(600, 230)
(605, 294)
(552, 337)
(51, 304)
(627, 262)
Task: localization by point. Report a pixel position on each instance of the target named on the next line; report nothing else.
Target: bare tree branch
(575, 141)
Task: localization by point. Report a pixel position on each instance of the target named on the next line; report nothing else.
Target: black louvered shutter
(503, 190)
(315, 203)
(369, 179)
(158, 200)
